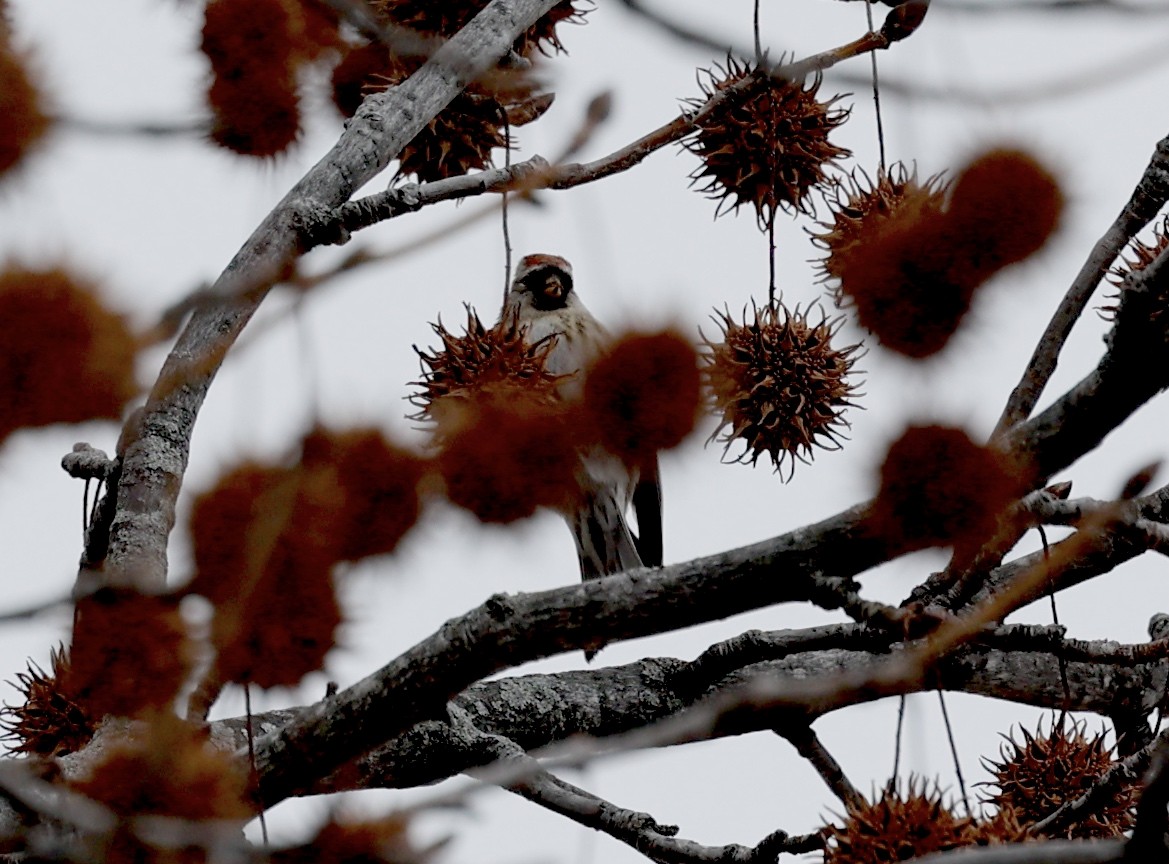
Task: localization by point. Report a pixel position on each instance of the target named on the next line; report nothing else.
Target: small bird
(543, 298)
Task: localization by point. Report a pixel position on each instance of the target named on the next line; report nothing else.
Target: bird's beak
(554, 288)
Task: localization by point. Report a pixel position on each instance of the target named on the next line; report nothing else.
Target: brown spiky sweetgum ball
(343, 842)
(253, 57)
(265, 541)
(168, 768)
(70, 359)
(50, 721)
(861, 205)
(482, 364)
(940, 488)
(778, 385)
(463, 135)
(1003, 208)
(313, 27)
(260, 118)
(896, 827)
(378, 483)
(908, 282)
(130, 653)
(1043, 771)
(1003, 826)
(505, 459)
(643, 395)
(765, 142)
(1141, 255)
(361, 69)
(24, 120)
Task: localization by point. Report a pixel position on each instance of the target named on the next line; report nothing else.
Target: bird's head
(543, 281)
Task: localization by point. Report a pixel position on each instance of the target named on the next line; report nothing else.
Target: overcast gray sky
(152, 219)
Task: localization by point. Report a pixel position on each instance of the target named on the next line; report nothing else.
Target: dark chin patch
(536, 282)
(546, 303)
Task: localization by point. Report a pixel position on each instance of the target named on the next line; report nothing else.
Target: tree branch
(808, 745)
(639, 830)
(540, 711)
(1150, 195)
(157, 456)
(508, 630)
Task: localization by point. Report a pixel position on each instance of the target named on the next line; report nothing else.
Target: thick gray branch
(538, 711)
(508, 630)
(157, 457)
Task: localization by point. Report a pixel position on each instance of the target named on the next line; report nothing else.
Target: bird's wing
(647, 505)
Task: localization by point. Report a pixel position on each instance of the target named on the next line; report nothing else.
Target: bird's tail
(604, 543)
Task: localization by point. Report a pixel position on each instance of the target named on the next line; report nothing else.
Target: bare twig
(1046, 7)
(639, 830)
(537, 173)
(1107, 75)
(1050, 639)
(953, 587)
(808, 745)
(105, 127)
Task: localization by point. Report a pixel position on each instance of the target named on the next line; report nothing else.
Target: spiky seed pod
(1142, 255)
(644, 395)
(1045, 770)
(253, 55)
(913, 275)
(1000, 828)
(342, 842)
(259, 118)
(460, 139)
(265, 540)
(505, 458)
(765, 142)
(363, 68)
(378, 481)
(1003, 207)
(482, 364)
(542, 35)
(314, 27)
(860, 205)
(130, 653)
(778, 385)
(167, 768)
(21, 106)
(907, 282)
(70, 360)
(50, 722)
(939, 488)
(896, 827)
(447, 18)
(463, 135)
